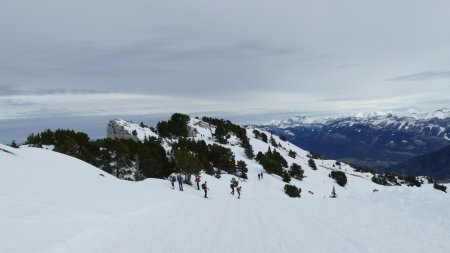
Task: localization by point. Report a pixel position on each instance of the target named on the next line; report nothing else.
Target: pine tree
(286, 177)
(312, 164)
(242, 170)
(14, 144)
(296, 171)
(248, 149)
(292, 154)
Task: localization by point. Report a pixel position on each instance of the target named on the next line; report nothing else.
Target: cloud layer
(99, 57)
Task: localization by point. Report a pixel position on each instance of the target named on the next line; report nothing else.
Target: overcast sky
(104, 57)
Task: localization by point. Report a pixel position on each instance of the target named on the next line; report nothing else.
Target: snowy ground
(54, 203)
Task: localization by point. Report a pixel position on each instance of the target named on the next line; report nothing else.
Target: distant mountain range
(379, 140)
(435, 164)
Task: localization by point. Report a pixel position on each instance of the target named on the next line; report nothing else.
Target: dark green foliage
(175, 127)
(154, 161)
(380, 180)
(440, 187)
(362, 169)
(223, 130)
(221, 134)
(241, 168)
(222, 158)
(340, 177)
(117, 156)
(200, 149)
(143, 125)
(260, 136)
(286, 176)
(292, 154)
(14, 144)
(134, 132)
(248, 149)
(296, 171)
(272, 162)
(273, 142)
(410, 181)
(292, 191)
(188, 163)
(385, 179)
(315, 155)
(312, 164)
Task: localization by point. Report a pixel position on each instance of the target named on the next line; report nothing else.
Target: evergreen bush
(340, 177)
(292, 191)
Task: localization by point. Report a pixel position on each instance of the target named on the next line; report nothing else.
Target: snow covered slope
(54, 203)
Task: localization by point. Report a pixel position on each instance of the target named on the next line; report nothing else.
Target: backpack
(204, 186)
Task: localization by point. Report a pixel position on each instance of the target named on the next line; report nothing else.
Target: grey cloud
(349, 66)
(233, 52)
(422, 76)
(8, 90)
(340, 99)
(11, 90)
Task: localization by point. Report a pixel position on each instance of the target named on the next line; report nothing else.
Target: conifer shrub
(14, 144)
(292, 191)
(272, 161)
(440, 187)
(377, 179)
(261, 136)
(340, 177)
(241, 168)
(286, 177)
(312, 164)
(176, 126)
(411, 181)
(296, 171)
(292, 154)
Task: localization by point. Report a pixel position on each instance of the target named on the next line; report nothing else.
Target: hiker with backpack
(197, 181)
(172, 180)
(238, 189)
(180, 181)
(205, 188)
(232, 185)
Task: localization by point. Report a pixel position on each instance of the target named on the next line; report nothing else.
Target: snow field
(50, 202)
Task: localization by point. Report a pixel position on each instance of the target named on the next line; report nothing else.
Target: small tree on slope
(333, 193)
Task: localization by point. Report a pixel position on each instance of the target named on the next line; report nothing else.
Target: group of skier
(233, 184)
(260, 176)
(179, 178)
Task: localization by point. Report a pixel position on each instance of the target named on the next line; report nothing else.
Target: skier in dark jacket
(172, 180)
(180, 181)
(205, 188)
(238, 189)
(232, 185)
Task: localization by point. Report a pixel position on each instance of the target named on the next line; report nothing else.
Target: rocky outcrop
(116, 130)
